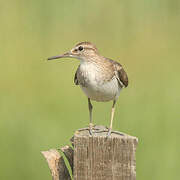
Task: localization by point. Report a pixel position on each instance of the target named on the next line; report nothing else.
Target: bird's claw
(109, 133)
(89, 129)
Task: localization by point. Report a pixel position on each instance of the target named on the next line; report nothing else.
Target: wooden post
(100, 158)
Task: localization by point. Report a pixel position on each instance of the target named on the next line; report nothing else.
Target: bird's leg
(90, 107)
(90, 116)
(112, 117)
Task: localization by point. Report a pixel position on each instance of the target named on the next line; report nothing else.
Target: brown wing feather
(122, 76)
(120, 73)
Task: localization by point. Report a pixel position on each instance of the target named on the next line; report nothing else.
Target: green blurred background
(40, 107)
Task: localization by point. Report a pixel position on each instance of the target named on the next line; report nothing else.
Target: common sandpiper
(100, 78)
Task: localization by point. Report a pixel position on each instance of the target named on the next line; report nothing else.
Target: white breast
(95, 88)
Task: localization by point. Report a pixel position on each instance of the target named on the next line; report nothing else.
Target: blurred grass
(40, 106)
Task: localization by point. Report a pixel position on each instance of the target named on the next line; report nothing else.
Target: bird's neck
(95, 59)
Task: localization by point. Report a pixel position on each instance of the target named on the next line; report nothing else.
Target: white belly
(95, 88)
(106, 92)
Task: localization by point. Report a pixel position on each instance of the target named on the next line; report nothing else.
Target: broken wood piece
(69, 153)
(57, 165)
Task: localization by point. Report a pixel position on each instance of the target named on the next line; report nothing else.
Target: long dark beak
(68, 54)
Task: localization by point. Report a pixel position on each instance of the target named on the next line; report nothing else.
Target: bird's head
(83, 51)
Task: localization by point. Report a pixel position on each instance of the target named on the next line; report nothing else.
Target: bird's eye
(80, 48)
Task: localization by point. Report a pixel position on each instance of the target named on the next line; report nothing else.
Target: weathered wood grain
(100, 158)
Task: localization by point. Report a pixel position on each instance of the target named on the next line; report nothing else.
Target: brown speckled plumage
(111, 68)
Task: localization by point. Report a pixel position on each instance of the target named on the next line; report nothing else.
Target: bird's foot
(113, 132)
(91, 126)
(90, 129)
(117, 132)
(109, 133)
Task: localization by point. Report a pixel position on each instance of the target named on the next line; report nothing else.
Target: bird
(100, 78)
